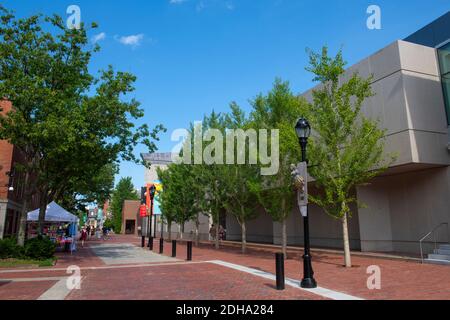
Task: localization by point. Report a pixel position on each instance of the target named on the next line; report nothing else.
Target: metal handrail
(435, 241)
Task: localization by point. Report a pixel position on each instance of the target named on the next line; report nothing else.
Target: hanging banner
(143, 210)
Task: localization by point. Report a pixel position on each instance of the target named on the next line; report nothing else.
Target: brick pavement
(201, 281)
(24, 290)
(400, 279)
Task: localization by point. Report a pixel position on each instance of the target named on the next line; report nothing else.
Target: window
(444, 62)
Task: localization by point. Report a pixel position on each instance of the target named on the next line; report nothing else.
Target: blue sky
(192, 56)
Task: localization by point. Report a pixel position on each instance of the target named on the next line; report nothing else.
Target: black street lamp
(10, 184)
(303, 130)
(143, 213)
(150, 236)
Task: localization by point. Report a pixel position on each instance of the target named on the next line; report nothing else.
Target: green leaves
(278, 109)
(182, 198)
(346, 147)
(69, 124)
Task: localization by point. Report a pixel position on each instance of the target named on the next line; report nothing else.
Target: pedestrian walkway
(121, 269)
(126, 253)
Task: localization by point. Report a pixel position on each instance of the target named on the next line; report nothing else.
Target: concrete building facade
(411, 83)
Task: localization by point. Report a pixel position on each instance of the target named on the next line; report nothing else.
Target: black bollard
(150, 243)
(161, 246)
(279, 258)
(143, 242)
(189, 251)
(174, 248)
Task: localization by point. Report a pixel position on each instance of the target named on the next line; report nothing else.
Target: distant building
(162, 160)
(131, 220)
(157, 160)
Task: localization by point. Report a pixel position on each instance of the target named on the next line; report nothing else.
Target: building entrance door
(130, 227)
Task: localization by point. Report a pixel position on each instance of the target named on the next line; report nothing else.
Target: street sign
(301, 183)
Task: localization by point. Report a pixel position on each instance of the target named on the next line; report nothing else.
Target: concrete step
(442, 251)
(436, 261)
(444, 246)
(439, 257)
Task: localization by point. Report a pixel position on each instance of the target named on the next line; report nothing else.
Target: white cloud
(132, 40)
(229, 5)
(98, 37)
(177, 1)
(203, 4)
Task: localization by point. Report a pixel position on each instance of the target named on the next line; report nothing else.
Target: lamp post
(162, 226)
(10, 184)
(303, 130)
(154, 223)
(150, 236)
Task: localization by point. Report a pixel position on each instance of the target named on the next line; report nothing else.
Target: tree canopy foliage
(68, 123)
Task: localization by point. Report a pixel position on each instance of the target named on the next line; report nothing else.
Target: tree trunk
(348, 260)
(169, 230)
(244, 237)
(42, 211)
(196, 231)
(181, 230)
(23, 213)
(217, 235)
(284, 238)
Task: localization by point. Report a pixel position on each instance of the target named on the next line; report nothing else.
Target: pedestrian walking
(88, 231)
(105, 233)
(221, 233)
(98, 233)
(83, 236)
(212, 232)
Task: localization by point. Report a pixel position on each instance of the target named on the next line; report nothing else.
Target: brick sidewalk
(202, 280)
(400, 279)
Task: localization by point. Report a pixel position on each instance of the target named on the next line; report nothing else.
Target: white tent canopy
(54, 213)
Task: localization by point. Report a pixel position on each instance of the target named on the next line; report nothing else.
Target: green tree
(237, 179)
(97, 188)
(179, 198)
(346, 146)
(279, 109)
(124, 191)
(67, 123)
(209, 175)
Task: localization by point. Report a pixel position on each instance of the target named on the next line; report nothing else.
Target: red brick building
(131, 220)
(10, 199)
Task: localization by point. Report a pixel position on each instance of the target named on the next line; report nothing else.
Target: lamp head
(152, 192)
(303, 128)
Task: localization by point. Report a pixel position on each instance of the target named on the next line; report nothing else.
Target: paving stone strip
(125, 253)
(326, 293)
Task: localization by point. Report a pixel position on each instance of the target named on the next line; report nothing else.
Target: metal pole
(189, 251)
(279, 265)
(308, 273)
(150, 238)
(161, 245)
(154, 227)
(174, 248)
